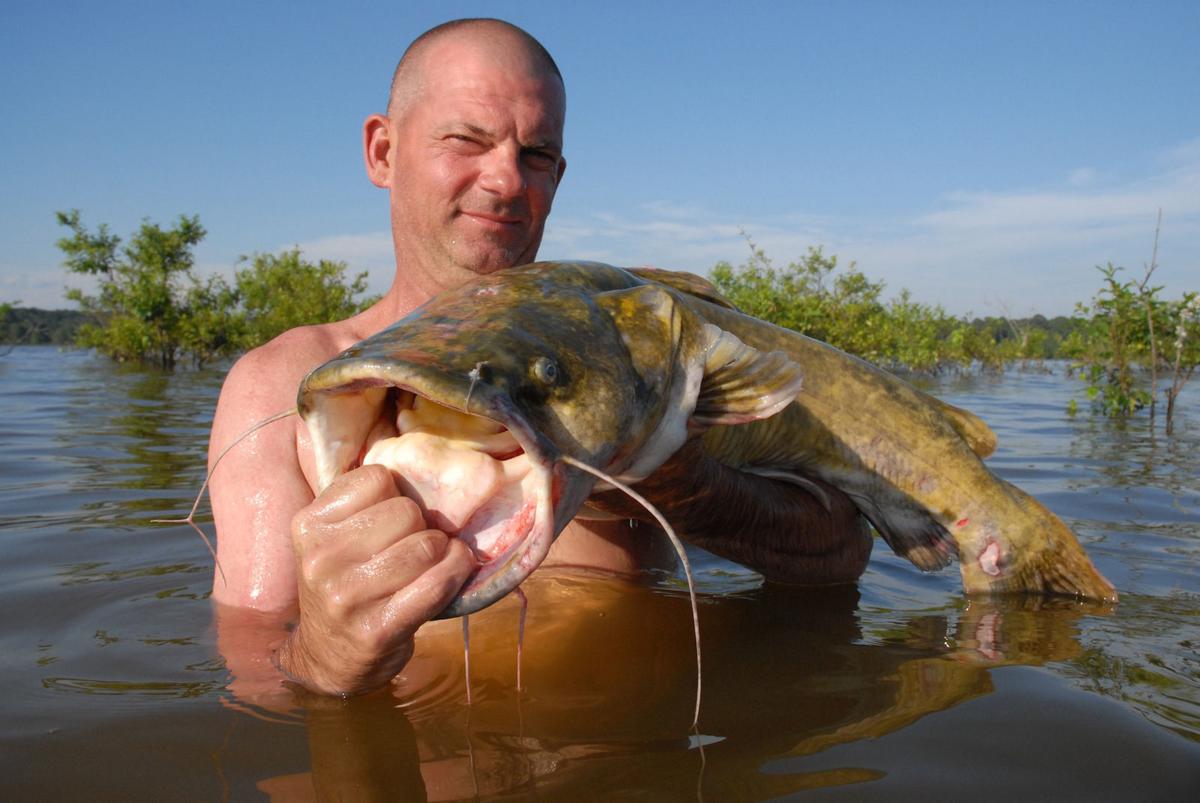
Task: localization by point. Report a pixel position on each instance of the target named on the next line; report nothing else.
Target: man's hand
(370, 574)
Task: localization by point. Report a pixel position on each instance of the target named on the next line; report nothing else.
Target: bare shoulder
(263, 382)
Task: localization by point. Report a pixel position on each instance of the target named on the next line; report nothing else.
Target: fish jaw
(343, 408)
(559, 497)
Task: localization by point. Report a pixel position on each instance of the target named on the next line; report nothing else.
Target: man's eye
(541, 159)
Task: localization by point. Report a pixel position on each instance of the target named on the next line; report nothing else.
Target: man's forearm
(780, 530)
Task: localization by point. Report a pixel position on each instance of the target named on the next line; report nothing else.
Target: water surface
(115, 688)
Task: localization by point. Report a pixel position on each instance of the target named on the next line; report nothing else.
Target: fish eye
(545, 370)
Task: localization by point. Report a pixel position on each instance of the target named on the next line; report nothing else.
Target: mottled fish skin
(912, 465)
(635, 350)
(539, 349)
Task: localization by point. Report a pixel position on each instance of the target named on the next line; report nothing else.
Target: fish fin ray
(741, 383)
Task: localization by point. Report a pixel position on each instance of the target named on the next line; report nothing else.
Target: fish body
(619, 368)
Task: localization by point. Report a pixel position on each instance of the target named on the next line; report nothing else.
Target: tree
(1115, 340)
(279, 292)
(152, 309)
(845, 309)
(5, 308)
(141, 305)
(1117, 336)
(1185, 351)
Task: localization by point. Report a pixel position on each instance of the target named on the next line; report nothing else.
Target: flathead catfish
(473, 399)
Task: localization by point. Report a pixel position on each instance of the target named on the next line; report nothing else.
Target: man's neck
(411, 287)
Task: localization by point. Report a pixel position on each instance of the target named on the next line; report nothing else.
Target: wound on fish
(989, 558)
(474, 375)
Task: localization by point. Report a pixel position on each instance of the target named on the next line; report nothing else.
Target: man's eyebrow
(543, 143)
(461, 126)
(477, 130)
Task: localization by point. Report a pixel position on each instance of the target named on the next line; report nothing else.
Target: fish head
(473, 398)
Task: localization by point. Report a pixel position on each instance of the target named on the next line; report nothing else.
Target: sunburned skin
(468, 474)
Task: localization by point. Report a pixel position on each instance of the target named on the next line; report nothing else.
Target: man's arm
(259, 484)
(356, 565)
(780, 530)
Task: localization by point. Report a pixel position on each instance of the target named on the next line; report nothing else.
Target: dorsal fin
(970, 427)
(684, 282)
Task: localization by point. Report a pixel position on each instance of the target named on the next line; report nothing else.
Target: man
(470, 151)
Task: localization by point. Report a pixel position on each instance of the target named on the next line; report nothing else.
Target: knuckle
(311, 568)
(410, 510)
(431, 544)
(302, 525)
(402, 515)
(378, 478)
(337, 603)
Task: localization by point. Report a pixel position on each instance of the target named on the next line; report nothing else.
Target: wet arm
(355, 566)
(256, 490)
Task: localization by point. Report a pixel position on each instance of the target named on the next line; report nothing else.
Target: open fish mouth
(485, 477)
(472, 479)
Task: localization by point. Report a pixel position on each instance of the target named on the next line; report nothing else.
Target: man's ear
(377, 150)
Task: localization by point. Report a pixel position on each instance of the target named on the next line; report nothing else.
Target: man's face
(476, 160)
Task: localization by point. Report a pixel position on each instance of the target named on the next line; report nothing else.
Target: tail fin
(1053, 563)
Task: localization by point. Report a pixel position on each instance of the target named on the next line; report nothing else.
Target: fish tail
(1052, 562)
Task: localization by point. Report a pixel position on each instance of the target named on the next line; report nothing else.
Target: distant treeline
(1130, 345)
(59, 327)
(33, 326)
(1051, 332)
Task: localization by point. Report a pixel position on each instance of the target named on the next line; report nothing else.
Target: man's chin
(485, 258)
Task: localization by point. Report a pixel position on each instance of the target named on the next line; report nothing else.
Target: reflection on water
(116, 689)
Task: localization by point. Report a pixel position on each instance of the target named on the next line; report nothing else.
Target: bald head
(510, 47)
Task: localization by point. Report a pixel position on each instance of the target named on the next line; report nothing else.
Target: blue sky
(984, 155)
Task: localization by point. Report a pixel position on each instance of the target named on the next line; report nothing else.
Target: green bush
(845, 309)
(150, 308)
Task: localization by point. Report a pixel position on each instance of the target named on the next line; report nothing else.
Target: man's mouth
(495, 219)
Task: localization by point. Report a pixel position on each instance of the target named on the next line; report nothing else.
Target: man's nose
(502, 174)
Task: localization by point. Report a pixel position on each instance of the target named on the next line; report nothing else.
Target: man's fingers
(369, 532)
(405, 560)
(350, 493)
(430, 593)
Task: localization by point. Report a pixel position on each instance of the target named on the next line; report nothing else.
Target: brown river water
(898, 688)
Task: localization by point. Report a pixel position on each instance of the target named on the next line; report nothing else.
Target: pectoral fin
(741, 383)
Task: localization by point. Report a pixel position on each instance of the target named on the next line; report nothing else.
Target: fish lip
(561, 490)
